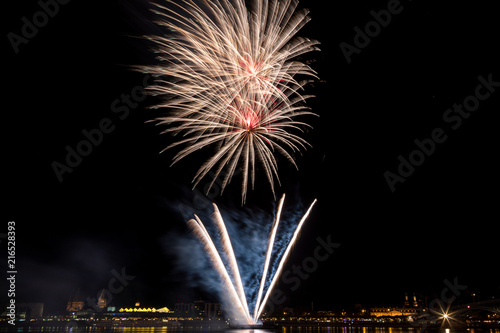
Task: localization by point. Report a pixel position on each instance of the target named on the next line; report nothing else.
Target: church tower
(102, 301)
(75, 303)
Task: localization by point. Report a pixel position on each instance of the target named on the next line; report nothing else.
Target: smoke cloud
(248, 229)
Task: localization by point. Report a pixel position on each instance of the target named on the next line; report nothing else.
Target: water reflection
(249, 331)
(370, 329)
(284, 329)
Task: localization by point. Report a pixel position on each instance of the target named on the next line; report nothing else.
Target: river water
(284, 329)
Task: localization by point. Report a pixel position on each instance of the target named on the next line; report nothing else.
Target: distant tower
(102, 301)
(415, 303)
(75, 303)
(407, 301)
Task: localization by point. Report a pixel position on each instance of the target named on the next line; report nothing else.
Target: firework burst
(227, 76)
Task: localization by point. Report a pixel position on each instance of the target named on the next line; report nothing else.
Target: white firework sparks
(227, 75)
(230, 275)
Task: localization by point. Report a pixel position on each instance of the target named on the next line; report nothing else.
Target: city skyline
(414, 312)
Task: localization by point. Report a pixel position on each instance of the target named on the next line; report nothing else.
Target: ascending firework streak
(230, 275)
(200, 231)
(282, 262)
(268, 257)
(228, 76)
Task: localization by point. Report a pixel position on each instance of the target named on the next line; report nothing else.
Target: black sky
(117, 208)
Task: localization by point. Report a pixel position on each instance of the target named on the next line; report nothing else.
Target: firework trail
(282, 262)
(268, 256)
(230, 274)
(227, 76)
(228, 249)
(200, 231)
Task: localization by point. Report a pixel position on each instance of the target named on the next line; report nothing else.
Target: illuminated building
(102, 300)
(406, 310)
(184, 309)
(392, 312)
(75, 303)
(74, 306)
(407, 301)
(152, 310)
(212, 310)
(198, 309)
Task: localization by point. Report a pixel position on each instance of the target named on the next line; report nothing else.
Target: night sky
(118, 210)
